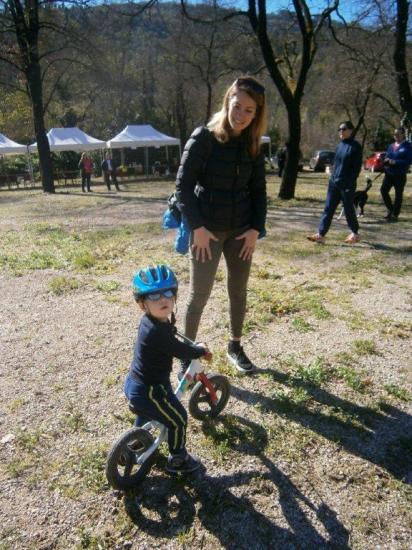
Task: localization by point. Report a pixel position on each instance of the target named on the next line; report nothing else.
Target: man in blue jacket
(397, 161)
(342, 185)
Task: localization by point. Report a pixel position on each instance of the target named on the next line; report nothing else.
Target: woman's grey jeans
(202, 277)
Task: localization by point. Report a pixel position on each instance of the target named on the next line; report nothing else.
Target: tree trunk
(35, 91)
(290, 174)
(208, 102)
(399, 58)
(26, 23)
(181, 114)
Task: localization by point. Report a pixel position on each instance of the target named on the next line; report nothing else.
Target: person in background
(109, 171)
(342, 185)
(396, 165)
(281, 156)
(221, 191)
(86, 171)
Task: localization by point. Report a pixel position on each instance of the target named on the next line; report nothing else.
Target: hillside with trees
(105, 66)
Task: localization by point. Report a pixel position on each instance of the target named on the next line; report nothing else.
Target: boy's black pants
(158, 402)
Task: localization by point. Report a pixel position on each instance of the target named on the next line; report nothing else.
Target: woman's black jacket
(219, 185)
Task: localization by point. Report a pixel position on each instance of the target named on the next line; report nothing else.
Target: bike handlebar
(185, 338)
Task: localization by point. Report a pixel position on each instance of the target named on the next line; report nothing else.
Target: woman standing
(397, 161)
(86, 170)
(221, 189)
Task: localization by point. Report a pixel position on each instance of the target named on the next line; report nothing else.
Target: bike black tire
(121, 472)
(199, 395)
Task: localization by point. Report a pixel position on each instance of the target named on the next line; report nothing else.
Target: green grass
(397, 329)
(28, 440)
(17, 404)
(352, 378)
(364, 347)
(62, 285)
(317, 372)
(229, 435)
(400, 393)
(301, 325)
(345, 358)
(43, 246)
(290, 399)
(18, 466)
(87, 468)
(108, 286)
(91, 541)
(270, 301)
(186, 536)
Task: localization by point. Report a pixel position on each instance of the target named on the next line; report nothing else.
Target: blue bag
(169, 220)
(182, 237)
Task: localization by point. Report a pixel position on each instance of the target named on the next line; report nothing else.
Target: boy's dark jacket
(219, 185)
(155, 347)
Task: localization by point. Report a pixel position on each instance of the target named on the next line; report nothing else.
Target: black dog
(360, 198)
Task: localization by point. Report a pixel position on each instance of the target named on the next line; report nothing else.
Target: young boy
(147, 385)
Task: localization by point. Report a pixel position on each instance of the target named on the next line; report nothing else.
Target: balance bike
(134, 453)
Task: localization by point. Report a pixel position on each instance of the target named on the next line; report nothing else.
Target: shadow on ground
(165, 507)
(378, 436)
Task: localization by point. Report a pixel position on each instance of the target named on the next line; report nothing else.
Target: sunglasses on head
(251, 84)
(342, 128)
(156, 296)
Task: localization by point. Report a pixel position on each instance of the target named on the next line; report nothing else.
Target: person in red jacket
(86, 171)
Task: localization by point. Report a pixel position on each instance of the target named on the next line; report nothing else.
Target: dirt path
(314, 451)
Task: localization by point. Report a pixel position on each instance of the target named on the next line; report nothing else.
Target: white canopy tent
(142, 135)
(70, 139)
(10, 147)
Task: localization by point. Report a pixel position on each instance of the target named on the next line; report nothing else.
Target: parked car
(321, 159)
(374, 162)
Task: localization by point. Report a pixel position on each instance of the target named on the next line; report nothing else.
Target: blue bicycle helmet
(153, 279)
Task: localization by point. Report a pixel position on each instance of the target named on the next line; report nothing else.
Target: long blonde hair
(219, 123)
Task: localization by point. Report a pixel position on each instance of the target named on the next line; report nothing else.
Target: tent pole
(146, 160)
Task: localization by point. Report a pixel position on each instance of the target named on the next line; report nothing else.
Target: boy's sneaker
(240, 360)
(182, 464)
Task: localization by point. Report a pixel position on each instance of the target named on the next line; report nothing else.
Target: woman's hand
(201, 243)
(250, 237)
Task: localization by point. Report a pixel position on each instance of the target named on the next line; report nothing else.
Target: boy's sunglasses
(342, 128)
(156, 296)
(249, 83)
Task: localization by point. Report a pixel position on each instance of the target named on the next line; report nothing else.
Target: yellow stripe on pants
(164, 413)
